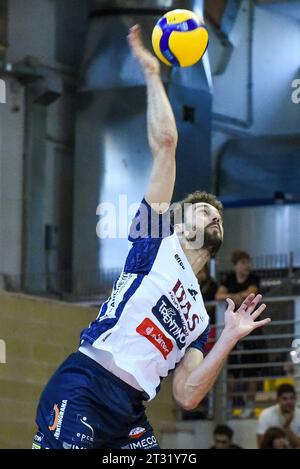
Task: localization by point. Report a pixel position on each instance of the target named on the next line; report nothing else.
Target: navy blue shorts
(84, 406)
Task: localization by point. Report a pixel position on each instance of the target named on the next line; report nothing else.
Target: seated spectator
(208, 289)
(275, 438)
(239, 283)
(207, 285)
(223, 436)
(237, 286)
(284, 414)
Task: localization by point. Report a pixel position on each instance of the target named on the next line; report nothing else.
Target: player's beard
(207, 240)
(212, 242)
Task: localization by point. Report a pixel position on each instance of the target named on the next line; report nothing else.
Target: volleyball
(180, 38)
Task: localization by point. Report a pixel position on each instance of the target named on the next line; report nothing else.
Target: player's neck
(197, 258)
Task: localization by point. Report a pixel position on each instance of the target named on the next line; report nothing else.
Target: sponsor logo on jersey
(56, 418)
(193, 293)
(181, 297)
(178, 259)
(151, 332)
(39, 437)
(71, 446)
(145, 443)
(118, 287)
(137, 432)
(36, 446)
(87, 435)
(170, 319)
(185, 306)
(53, 418)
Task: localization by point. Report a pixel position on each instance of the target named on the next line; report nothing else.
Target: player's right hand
(147, 61)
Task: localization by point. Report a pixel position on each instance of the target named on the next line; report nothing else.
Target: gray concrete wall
(11, 174)
(36, 145)
(276, 50)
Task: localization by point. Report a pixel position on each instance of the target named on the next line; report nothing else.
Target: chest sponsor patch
(150, 331)
(170, 319)
(137, 432)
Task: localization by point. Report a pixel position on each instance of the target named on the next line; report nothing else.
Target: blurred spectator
(274, 438)
(208, 289)
(223, 436)
(237, 286)
(239, 283)
(207, 284)
(284, 414)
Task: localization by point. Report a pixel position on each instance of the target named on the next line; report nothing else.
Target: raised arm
(194, 377)
(162, 132)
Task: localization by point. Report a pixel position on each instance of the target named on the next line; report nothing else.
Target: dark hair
(238, 255)
(198, 197)
(283, 388)
(224, 430)
(270, 435)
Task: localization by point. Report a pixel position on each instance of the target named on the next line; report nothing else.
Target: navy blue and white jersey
(155, 311)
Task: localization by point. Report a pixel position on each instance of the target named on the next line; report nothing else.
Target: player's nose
(216, 219)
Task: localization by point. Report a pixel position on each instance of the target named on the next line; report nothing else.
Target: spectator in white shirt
(284, 414)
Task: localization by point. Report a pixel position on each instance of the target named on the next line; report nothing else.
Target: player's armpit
(192, 359)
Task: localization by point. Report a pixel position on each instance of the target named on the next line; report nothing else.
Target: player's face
(287, 402)
(204, 227)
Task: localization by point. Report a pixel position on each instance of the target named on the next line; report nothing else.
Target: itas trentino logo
(170, 319)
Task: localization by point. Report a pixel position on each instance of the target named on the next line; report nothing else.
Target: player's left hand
(147, 61)
(240, 323)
